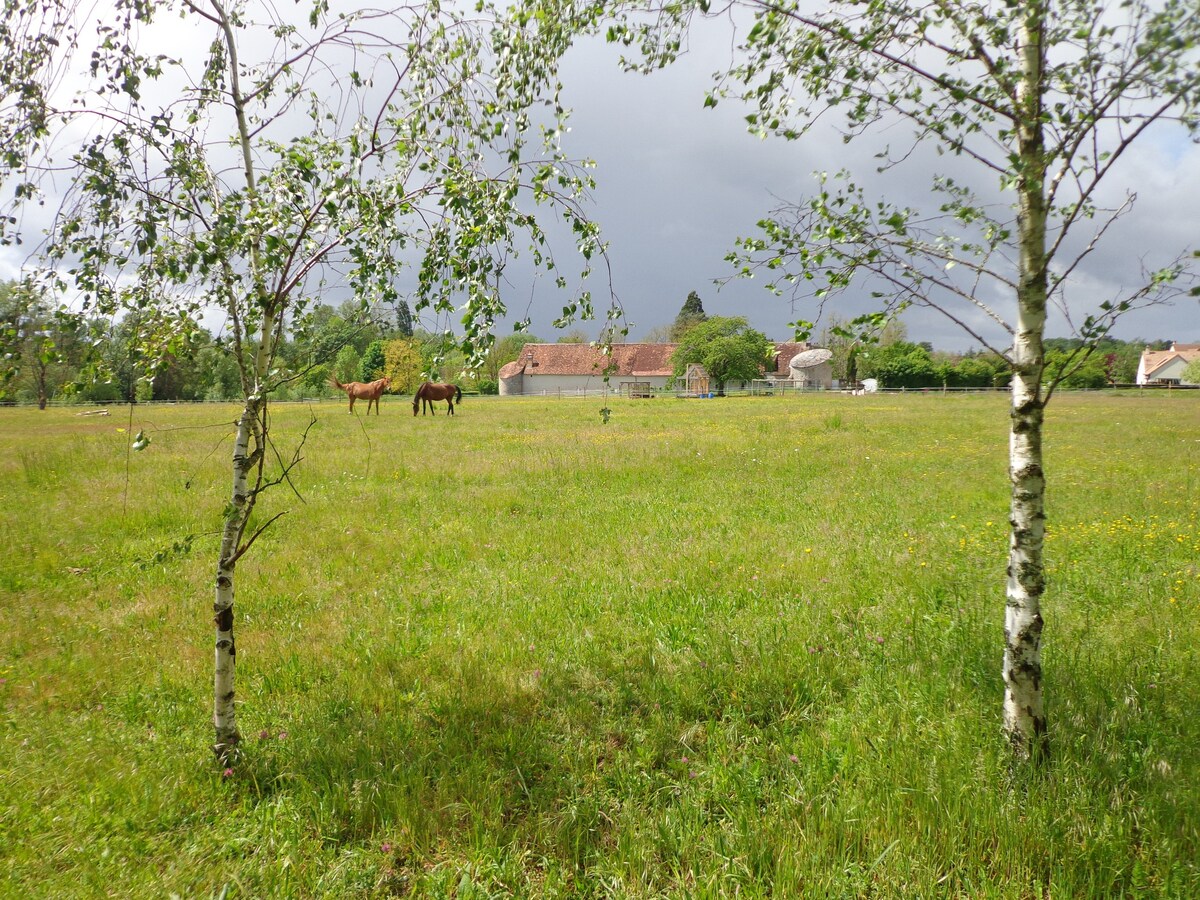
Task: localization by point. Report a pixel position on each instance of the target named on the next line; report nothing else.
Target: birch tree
(265, 156)
(32, 344)
(1042, 99)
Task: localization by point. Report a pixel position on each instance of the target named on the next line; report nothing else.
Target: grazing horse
(356, 390)
(429, 391)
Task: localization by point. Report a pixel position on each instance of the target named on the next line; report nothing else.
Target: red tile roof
(584, 359)
(632, 360)
(784, 352)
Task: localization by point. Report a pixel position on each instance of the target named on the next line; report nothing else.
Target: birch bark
(224, 714)
(250, 439)
(247, 480)
(1024, 715)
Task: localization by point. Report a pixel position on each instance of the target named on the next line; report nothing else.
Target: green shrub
(373, 362)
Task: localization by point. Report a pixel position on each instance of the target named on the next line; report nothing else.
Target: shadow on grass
(431, 755)
(655, 763)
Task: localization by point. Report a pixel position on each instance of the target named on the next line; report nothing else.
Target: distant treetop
(690, 315)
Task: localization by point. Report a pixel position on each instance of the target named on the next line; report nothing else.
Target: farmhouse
(638, 369)
(1166, 366)
(576, 368)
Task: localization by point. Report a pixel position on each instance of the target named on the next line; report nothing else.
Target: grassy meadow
(746, 647)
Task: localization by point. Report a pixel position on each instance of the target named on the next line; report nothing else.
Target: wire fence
(609, 393)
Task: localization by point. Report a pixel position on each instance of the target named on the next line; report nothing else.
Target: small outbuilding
(811, 369)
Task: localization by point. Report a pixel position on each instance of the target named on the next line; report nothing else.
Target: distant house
(637, 369)
(575, 368)
(1166, 366)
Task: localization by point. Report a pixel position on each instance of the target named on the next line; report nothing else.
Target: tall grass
(745, 647)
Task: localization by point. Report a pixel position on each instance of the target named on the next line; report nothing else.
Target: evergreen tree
(404, 319)
(690, 315)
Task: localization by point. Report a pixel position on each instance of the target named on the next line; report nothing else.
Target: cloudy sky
(679, 183)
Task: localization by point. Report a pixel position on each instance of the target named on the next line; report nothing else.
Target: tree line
(53, 356)
(896, 362)
(731, 350)
(50, 355)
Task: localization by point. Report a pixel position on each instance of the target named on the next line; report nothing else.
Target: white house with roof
(1166, 366)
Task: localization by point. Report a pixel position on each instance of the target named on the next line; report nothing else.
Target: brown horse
(429, 391)
(356, 390)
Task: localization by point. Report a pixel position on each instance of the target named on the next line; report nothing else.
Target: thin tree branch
(254, 537)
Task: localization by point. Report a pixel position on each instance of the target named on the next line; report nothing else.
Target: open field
(745, 647)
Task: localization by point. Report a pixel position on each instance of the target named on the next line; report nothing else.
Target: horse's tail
(457, 394)
(333, 382)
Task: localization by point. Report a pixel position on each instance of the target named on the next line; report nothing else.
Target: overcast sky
(679, 183)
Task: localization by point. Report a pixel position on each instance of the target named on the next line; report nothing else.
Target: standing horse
(429, 391)
(356, 390)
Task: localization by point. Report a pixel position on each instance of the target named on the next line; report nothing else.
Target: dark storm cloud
(678, 183)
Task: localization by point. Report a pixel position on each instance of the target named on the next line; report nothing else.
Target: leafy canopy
(274, 152)
(727, 347)
(1191, 373)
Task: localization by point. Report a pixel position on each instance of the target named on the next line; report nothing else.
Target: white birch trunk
(1024, 714)
(245, 456)
(224, 714)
